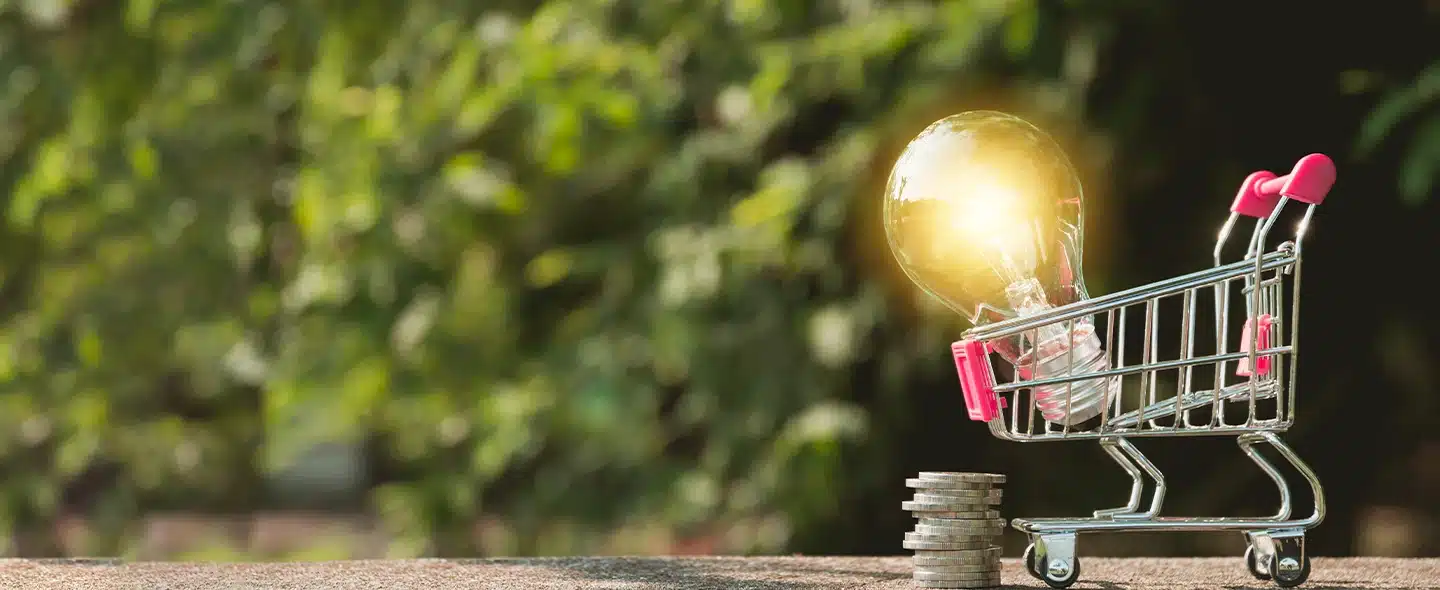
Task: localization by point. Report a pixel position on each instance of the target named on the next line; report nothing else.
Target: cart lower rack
(1228, 368)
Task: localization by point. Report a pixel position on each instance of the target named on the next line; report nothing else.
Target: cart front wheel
(1058, 577)
(1253, 565)
(1289, 572)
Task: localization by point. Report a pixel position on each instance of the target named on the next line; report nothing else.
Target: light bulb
(983, 211)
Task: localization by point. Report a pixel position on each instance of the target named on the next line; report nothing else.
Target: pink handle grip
(1250, 202)
(1309, 182)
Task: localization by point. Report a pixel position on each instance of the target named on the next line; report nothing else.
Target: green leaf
(1422, 163)
(139, 14)
(143, 160)
(548, 268)
(1021, 27)
(1397, 106)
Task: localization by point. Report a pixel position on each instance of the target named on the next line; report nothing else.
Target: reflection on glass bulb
(983, 212)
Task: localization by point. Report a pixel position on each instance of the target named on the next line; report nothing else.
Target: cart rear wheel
(1289, 572)
(1253, 565)
(1030, 563)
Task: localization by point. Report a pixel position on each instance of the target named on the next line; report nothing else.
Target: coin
(956, 504)
(975, 559)
(959, 527)
(992, 535)
(955, 584)
(993, 577)
(933, 506)
(958, 533)
(961, 492)
(957, 556)
(972, 577)
(959, 495)
(984, 556)
(946, 546)
(972, 491)
(935, 484)
(990, 478)
(957, 577)
(982, 538)
(944, 535)
(955, 508)
(967, 501)
(975, 502)
(991, 564)
(978, 572)
(952, 538)
(974, 567)
(968, 514)
(962, 523)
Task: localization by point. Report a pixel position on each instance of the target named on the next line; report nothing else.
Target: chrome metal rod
(1188, 402)
(1248, 446)
(1146, 368)
(1133, 433)
(1158, 498)
(1086, 307)
(1172, 523)
(1137, 486)
(1285, 451)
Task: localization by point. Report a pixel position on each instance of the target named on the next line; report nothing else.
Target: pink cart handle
(1250, 202)
(1309, 182)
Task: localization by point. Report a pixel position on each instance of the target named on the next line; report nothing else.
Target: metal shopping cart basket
(1210, 383)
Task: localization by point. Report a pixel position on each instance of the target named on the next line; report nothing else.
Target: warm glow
(988, 215)
(988, 225)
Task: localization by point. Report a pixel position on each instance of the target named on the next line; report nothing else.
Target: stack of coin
(957, 539)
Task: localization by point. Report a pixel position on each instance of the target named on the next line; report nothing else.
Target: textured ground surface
(778, 573)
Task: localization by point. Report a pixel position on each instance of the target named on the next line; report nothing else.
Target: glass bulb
(983, 211)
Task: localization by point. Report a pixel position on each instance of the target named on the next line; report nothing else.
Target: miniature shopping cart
(1228, 369)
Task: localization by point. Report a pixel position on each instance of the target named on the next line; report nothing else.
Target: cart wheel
(1030, 562)
(1288, 572)
(1064, 581)
(1254, 567)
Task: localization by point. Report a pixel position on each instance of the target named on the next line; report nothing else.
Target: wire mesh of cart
(1227, 367)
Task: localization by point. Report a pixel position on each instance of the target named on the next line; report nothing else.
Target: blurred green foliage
(556, 243)
(1420, 164)
(580, 263)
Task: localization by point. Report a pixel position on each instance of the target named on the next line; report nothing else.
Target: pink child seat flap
(977, 381)
(1262, 363)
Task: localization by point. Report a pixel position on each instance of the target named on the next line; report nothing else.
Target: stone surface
(762, 573)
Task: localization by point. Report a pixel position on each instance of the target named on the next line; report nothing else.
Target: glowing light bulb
(983, 211)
